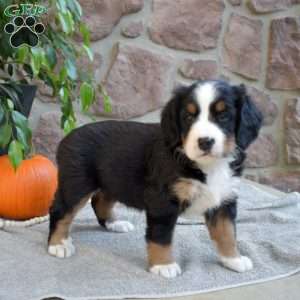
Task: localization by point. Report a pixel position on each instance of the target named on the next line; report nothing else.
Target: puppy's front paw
(239, 264)
(167, 271)
(119, 226)
(63, 250)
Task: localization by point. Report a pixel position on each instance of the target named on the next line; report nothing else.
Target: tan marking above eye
(191, 108)
(220, 106)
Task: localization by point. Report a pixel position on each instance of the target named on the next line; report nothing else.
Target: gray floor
(283, 289)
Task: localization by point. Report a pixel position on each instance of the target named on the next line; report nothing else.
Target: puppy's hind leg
(59, 241)
(103, 208)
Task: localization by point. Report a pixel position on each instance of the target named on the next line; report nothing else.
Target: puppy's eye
(190, 112)
(223, 117)
(220, 106)
(189, 117)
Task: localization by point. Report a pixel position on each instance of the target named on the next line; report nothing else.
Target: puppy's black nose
(205, 143)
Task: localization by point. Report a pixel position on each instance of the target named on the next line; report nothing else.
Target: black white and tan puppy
(187, 164)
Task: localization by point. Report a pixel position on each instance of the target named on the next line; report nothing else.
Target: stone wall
(144, 48)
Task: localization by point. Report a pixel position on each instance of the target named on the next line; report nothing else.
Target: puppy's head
(208, 119)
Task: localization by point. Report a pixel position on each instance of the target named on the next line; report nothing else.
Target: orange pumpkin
(28, 191)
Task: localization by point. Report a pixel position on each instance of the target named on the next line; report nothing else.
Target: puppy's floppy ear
(170, 123)
(249, 118)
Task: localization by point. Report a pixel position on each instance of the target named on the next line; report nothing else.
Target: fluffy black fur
(137, 164)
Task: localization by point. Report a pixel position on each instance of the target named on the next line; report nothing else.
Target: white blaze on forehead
(205, 95)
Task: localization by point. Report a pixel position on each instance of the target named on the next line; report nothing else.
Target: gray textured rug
(111, 265)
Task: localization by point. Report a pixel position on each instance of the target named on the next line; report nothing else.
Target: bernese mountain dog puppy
(187, 164)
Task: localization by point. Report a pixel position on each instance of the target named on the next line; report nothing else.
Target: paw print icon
(24, 31)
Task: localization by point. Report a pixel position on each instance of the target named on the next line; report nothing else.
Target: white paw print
(239, 264)
(119, 226)
(63, 250)
(167, 271)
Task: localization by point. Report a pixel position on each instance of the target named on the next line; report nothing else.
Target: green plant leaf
(75, 8)
(5, 134)
(15, 153)
(62, 121)
(10, 104)
(24, 138)
(45, 63)
(64, 95)
(85, 34)
(22, 129)
(53, 80)
(71, 69)
(2, 113)
(66, 104)
(87, 95)
(89, 52)
(36, 60)
(106, 99)
(51, 55)
(107, 104)
(22, 54)
(37, 51)
(69, 125)
(66, 21)
(10, 91)
(19, 119)
(61, 5)
(63, 75)
(60, 42)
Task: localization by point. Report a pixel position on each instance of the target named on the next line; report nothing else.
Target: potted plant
(52, 61)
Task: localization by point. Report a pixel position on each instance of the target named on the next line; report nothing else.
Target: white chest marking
(203, 196)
